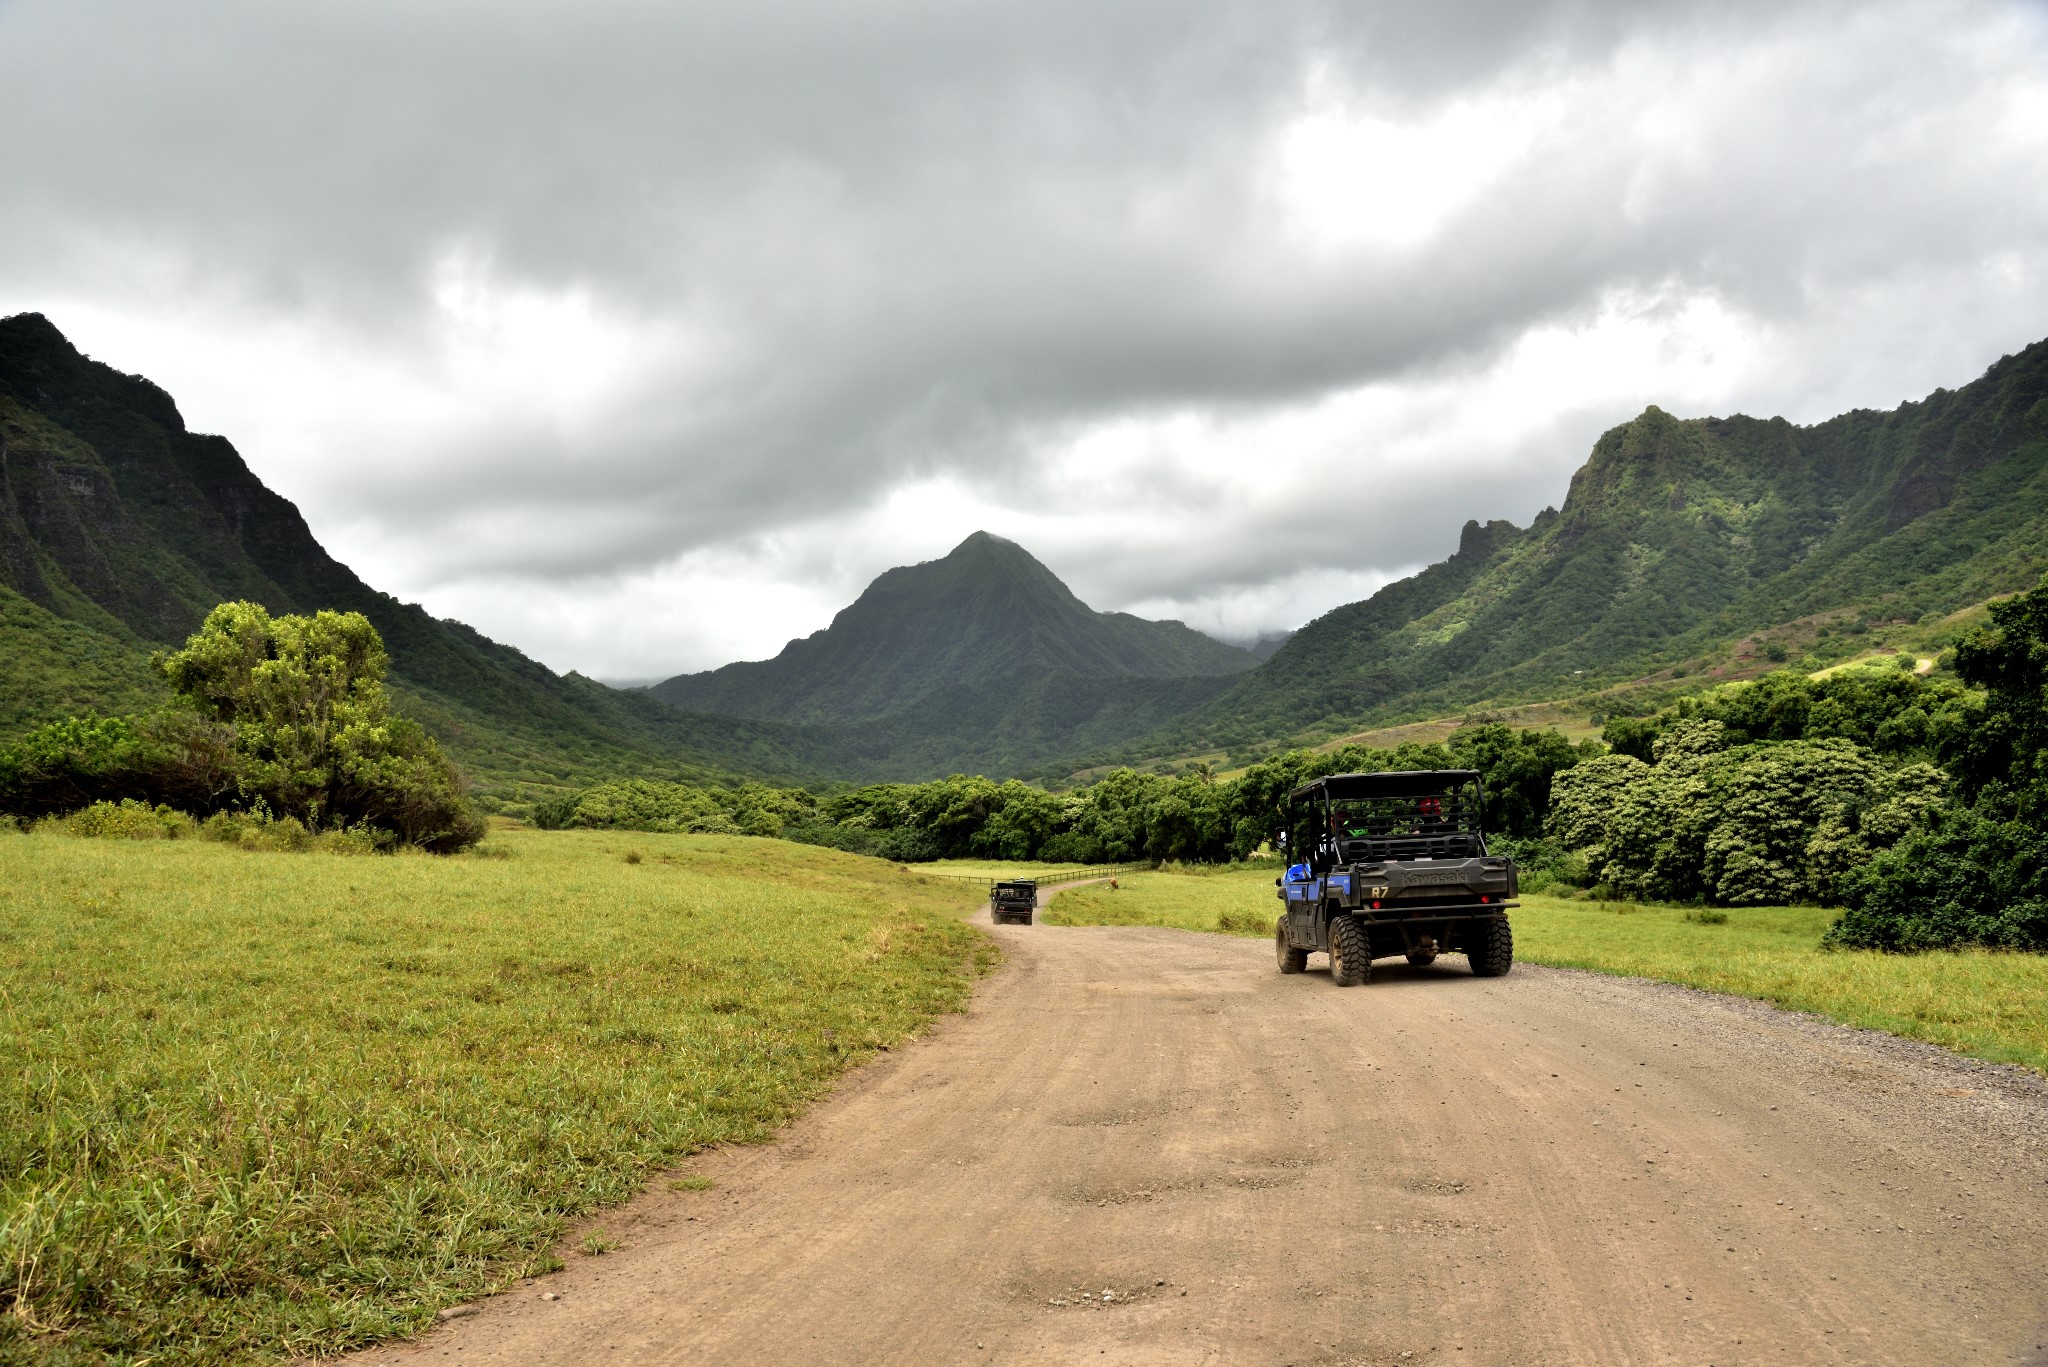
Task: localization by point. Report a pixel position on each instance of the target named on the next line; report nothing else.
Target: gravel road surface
(1146, 1146)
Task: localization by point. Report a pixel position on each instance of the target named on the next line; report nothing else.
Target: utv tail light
(1375, 906)
(1484, 898)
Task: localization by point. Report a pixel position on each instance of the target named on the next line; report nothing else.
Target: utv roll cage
(1357, 818)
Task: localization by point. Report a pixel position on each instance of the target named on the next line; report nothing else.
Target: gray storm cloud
(609, 288)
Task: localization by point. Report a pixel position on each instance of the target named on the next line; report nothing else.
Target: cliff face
(1678, 534)
(105, 496)
(120, 529)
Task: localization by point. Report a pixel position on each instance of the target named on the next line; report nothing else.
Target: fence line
(1071, 874)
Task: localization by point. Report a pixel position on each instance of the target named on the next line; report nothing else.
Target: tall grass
(1978, 1002)
(1984, 1004)
(259, 1103)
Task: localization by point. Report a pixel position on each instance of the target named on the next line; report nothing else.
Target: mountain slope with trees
(1679, 539)
(1683, 546)
(120, 530)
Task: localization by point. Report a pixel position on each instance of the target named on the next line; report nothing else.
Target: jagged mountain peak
(1678, 537)
(986, 613)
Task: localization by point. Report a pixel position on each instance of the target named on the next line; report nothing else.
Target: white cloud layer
(641, 336)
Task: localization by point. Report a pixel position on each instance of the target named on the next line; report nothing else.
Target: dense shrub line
(251, 830)
(1737, 825)
(1919, 805)
(1122, 817)
(1828, 789)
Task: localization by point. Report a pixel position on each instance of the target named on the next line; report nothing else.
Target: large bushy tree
(314, 734)
(1737, 824)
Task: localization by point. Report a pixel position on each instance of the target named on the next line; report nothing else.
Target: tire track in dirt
(1544, 1168)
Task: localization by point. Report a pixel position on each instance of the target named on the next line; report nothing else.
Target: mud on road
(1146, 1146)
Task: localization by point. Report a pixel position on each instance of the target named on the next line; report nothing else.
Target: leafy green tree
(314, 734)
(2006, 742)
(1631, 736)
(1517, 768)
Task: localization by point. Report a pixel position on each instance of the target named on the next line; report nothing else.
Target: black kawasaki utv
(1388, 864)
(1014, 900)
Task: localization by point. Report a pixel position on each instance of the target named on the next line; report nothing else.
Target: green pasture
(1981, 1003)
(255, 1104)
(1233, 899)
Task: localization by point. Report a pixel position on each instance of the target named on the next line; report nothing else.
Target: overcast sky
(642, 335)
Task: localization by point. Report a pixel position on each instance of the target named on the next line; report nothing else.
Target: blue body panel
(1302, 887)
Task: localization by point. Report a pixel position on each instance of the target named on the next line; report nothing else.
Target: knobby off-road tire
(1350, 954)
(1493, 952)
(1292, 960)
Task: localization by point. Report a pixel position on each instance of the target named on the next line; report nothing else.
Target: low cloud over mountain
(642, 336)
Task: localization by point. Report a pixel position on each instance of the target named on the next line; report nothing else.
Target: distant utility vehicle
(1014, 900)
(1392, 864)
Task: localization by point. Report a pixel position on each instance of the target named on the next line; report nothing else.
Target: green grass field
(259, 1104)
(1987, 1005)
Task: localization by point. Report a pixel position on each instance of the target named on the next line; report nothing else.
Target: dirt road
(1145, 1146)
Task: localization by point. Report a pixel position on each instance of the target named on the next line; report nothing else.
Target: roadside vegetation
(1978, 1002)
(1123, 817)
(255, 1105)
(1915, 801)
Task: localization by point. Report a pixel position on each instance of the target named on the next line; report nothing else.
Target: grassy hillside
(1680, 543)
(255, 1105)
(51, 667)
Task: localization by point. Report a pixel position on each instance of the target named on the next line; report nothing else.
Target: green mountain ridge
(1677, 538)
(1680, 543)
(986, 614)
(120, 529)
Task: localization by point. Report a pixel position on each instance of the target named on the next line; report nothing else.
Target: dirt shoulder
(1549, 1167)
